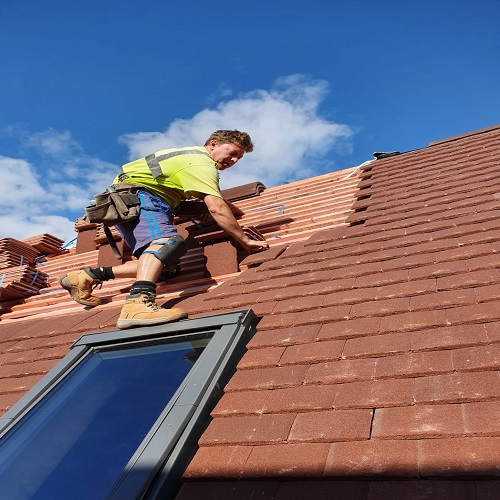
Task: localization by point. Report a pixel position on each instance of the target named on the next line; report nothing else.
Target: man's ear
(211, 145)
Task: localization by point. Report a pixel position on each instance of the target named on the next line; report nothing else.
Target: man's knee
(168, 250)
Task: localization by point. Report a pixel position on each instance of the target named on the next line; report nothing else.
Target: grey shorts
(156, 221)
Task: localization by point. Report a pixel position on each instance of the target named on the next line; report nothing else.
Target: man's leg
(81, 283)
(157, 245)
(140, 308)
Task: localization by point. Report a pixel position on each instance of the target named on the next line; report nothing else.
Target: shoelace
(149, 301)
(95, 284)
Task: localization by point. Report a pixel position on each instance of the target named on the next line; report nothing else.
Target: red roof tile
(294, 460)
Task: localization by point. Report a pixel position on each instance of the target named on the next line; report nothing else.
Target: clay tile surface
(374, 371)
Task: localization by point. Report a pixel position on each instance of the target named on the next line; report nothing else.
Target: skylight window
(120, 416)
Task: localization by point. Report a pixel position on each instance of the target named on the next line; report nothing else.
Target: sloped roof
(378, 352)
(376, 359)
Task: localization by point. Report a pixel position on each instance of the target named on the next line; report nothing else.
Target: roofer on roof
(166, 178)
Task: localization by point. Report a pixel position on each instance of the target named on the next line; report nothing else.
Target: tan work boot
(80, 285)
(142, 310)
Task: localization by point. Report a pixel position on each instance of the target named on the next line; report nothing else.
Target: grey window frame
(155, 469)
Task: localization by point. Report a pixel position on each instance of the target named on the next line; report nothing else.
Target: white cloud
(30, 208)
(65, 159)
(291, 138)
(21, 226)
(43, 192)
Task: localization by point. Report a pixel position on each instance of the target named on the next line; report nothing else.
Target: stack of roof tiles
(21, 282)
(18, 276)
(45, 243)
(15, 252)
(374, 372)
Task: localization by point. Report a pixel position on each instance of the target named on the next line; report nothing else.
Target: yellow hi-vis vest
(174, 174)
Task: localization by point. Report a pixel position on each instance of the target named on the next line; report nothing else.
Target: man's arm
(223, 215)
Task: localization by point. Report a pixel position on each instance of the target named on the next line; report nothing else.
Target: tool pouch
(118, 204)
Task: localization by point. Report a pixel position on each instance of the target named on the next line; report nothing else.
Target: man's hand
(223, 215)
(254, 246)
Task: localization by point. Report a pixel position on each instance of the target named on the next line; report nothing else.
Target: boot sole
(73, 291)
(123, 324)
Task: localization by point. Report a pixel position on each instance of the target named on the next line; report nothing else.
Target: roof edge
(461, 136)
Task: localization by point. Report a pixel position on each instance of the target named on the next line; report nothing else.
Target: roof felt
(374, 372)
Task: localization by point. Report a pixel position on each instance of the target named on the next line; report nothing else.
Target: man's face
(225, 155)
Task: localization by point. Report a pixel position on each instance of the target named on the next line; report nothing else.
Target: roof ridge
(463, 136)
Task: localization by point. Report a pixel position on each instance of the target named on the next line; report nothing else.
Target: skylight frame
(155, 469)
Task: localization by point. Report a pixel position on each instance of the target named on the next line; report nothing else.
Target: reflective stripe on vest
(153, 160)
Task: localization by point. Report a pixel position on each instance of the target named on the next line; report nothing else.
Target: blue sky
(320, 85)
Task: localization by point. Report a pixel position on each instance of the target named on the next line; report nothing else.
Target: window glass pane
(77, 440)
